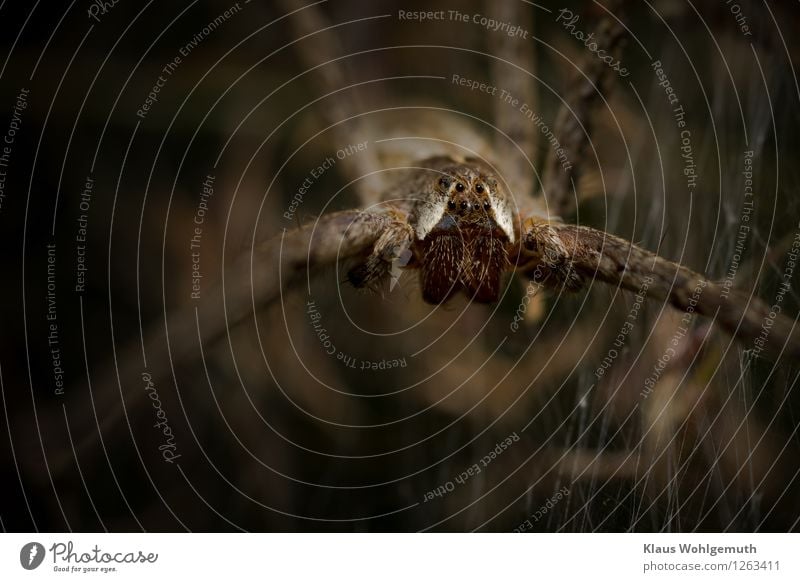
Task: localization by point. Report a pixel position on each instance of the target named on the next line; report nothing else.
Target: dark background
(274, 434)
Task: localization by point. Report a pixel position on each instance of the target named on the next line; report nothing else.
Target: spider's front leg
(390, 252)
(545, 258)
(573, 255)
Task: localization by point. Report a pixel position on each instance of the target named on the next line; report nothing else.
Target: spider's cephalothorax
(462, 227)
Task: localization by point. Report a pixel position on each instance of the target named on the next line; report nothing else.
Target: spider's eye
(486, 206)
(460, 187)
(444, 183)
(464, 205)
(479, 188)
(451, 205)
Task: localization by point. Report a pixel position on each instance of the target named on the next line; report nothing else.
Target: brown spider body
(452, 217)
(462, 228)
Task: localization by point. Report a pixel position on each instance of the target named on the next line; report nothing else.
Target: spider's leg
(321, 53)
(513, 69)
(390, 251)
(548, 258)
(566, 251)
(572, 127)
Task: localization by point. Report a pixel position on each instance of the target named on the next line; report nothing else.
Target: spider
(455, 223)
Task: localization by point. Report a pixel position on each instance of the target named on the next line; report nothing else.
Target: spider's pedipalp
(546, 259)
(392, 246)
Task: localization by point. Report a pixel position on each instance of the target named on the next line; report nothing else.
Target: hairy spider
(453, 220)
(456, 223)
(452, 216)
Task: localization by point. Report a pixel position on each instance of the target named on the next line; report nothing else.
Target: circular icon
(31, 555)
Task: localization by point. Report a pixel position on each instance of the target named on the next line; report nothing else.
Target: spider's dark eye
(460, 187)
(451, 205)
(479, 188)
(486, 206)
(464, 205)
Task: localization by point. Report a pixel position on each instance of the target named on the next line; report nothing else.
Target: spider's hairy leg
(572, 126)
(590, 254)
(390, 250)
(320, 51)
(547, 258)
(512, 54)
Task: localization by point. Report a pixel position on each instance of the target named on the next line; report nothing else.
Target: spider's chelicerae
(454, 220)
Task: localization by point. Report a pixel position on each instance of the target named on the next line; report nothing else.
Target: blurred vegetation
(275, 434)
